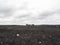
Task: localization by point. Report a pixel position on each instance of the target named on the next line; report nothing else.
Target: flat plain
(29, 34)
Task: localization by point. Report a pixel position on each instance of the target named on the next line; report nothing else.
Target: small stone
(17, 34)
(39, 42)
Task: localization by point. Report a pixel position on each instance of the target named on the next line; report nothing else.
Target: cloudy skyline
(23, 12)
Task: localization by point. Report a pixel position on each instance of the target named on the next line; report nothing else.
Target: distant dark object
(29, 24)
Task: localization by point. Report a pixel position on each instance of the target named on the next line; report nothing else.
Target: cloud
(5, 11)
(33, 12)
(46, 14)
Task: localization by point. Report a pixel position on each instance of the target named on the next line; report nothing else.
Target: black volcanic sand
(30, 35)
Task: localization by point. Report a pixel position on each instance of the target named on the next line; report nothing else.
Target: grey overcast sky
(21, 12)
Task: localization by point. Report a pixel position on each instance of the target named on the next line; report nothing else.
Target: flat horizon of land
(29, 34)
